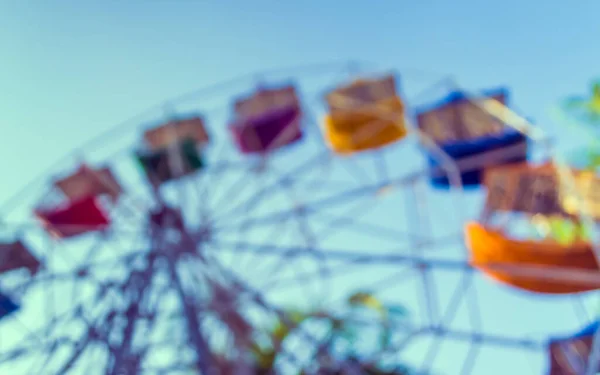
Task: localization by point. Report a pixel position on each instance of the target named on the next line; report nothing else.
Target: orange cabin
(543, 266)
(530, 265)
(365, 115)
(587, 185)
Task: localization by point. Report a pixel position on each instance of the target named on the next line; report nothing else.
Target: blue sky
(70, 70)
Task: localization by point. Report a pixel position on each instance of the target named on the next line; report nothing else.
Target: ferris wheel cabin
(364, 115)
(470, 136)
(267, 120)
(542, 265)
(172, 149)
(7, 306)
(15, 255)
(570, 355)
(81, 211)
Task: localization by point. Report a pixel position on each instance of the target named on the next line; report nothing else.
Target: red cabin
(74, 218)
(89, 182)
(81, 212)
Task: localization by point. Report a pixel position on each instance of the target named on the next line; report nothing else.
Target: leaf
(386, 337)
(350, 334)
(337, 324)
(297, 317)
(595, 91)
(575, 102)
(562, 231)
(284, 327)
(265, 358)
(366, 299)
(397, 310)
(565, 231)
(583, 232)
(594, 159)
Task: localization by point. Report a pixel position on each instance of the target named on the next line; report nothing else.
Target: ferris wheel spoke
(123, 352)
(278, 232)
(258, 298)
(581, 309)
(81, 269)
(240, 185)
(232, 278)
(350, 219)
(475, 340)
(294, 181)
(207, 185)
(264, 192)
(68, 315)
(237, 194)
(397, 255)
(281, 315)
(21, 352)
(353, 169)
(338, 271)
(315, 184)
(84, 348)
(339, 198)
(274, 217)
(382, 171)
(447, 318)
(495, 340)
(203, 358)
(256, 236)
(46, 362)
(310, 241)
(469, 362)
(343, 268)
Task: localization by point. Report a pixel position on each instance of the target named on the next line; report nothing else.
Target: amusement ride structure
(326, 222)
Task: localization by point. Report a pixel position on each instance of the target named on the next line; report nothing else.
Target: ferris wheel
(326, 219)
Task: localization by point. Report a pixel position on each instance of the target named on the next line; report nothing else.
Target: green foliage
(265, 357)
(561, 230)
(340, 329)
(585, 107)
(566, 232)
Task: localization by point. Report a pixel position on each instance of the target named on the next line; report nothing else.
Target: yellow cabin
(365, 115)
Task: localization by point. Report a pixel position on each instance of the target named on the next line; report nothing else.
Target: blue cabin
(473, 138)
(7, 305)
(569, 355)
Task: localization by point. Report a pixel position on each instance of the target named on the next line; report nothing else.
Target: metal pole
(204, 360)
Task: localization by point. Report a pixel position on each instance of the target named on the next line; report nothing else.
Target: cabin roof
(457, 96)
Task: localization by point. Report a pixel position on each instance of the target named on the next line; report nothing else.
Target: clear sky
(69, 70)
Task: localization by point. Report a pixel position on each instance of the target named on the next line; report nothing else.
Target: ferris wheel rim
(353, 65)
(68, 155)
(5, 205)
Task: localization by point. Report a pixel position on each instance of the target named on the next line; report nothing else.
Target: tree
(340, 330)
